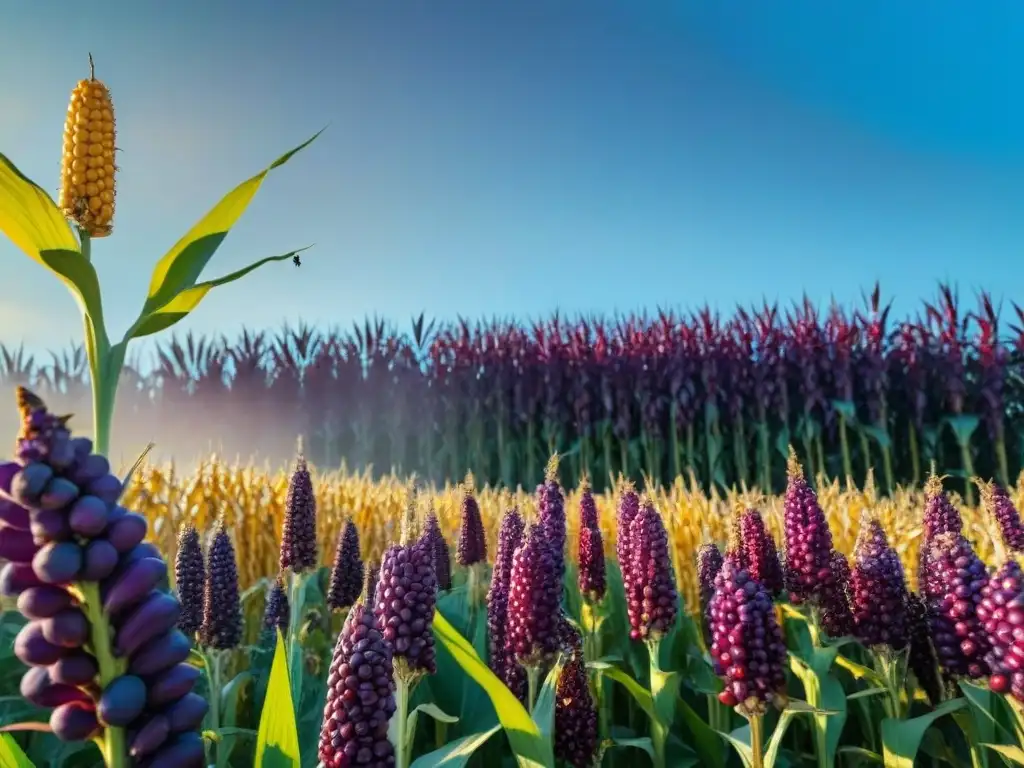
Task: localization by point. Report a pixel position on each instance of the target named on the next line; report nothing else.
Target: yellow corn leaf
(187, 300)
(34, 223)
(181, 267)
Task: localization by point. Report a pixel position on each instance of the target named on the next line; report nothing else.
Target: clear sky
(490, 157)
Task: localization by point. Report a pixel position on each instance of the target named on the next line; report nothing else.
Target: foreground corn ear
(87, 187)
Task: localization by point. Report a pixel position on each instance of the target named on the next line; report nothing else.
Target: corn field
(643, 396)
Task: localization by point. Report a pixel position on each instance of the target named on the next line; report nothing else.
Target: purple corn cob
(709, 563)
(434, 538)
(575, 716)
(222, 608)
(961, 644)
(534, 601)
(922, 660)
(405, 599)
(347, 571)
(504, 665)
(472, 546)
(747, 649)
(652, 602)
(940, 516)
(628, 509)
(998, 503)
(808, 540)
(190, 579)
(1001, 613)
(298, 537)
(276, 614)
(75, 532)
(761, 556)
(878, 591)
(592, 581)
(836, 616)
(588, 508)
(360, 697)
(551, 515)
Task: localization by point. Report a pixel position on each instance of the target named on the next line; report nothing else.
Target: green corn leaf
(963, 426)
(277, 743)
(643, 743)
(11, 754)
(878, 434)
(859, 756)
(983, 706)
(794, 708)
(455, 754)
(230, 696)
(902, 738)
(665, 692)
(740, 741)
(163, 316)
(1011, 753)
(544, 708)
(846, 409)
(431, 710)
(705, 739)
(180, 268)
(530, 747)
(640, 694)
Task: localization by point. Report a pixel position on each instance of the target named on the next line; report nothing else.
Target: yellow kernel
(95, 150)
(95, 203)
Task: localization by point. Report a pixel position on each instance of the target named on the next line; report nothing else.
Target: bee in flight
(296, 260)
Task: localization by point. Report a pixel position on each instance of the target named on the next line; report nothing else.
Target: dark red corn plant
(709, 563)
(747, 648)
(760, 556)
(434, 538)
(999, 505)
(961, 643)
(1001, 612)
(836, 613)
(590, 551)
(501, 657)
(360, 696)
(940, 516)
(808, 541)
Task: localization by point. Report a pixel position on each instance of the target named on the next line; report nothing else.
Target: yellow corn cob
(87, 168)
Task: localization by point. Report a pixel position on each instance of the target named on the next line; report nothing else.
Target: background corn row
(252, 501)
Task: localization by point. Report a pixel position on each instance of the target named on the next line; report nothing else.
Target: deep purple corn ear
(997, 502)
(653, 601)
(222, 608)
(66, 528)
(709, 563)
(591, 579)
(747, 649)
(878, 591)
(276, 613)
(922, 660)
(588, 507)
(405, 599)
(627, 509)
(347, 571)
(569, 638)
(808, 539)
(1001, 613)
(472, 546)
(940, 516)
(189, 579)
(761, 555)
(959, 576)
(501, 662)
(551, 514)
(534, 601)
(435, 541)
(835, 603)
(298, 537)
(576, 734)
(360, 696)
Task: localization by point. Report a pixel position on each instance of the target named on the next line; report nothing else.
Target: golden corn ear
(87, 169)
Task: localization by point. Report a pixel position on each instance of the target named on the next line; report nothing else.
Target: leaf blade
(181, 266)
(455, 754)
(277, 741)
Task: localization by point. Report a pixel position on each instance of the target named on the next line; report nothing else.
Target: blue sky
(489, 158)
